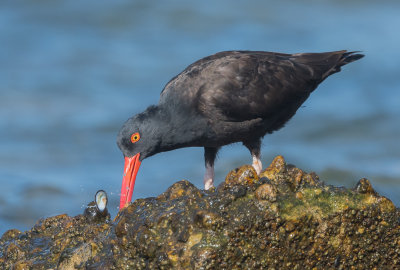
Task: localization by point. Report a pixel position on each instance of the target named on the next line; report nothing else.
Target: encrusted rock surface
(283, 219)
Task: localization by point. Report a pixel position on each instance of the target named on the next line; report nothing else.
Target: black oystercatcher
(228, 97)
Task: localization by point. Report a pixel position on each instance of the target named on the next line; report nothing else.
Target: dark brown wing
(238, 86)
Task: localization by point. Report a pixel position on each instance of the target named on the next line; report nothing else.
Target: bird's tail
(345, 58)
(327, 63)
(349, 57)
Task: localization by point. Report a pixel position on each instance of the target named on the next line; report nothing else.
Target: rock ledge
(283, 219)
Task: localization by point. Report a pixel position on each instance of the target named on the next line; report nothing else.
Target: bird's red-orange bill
(131, 169)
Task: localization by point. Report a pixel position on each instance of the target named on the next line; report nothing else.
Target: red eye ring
(135, 137)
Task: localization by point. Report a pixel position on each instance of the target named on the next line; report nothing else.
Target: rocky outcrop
(284, 218)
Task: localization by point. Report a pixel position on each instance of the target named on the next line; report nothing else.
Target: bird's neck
(173, 129)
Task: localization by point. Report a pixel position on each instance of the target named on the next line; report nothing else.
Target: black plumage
(232, 96)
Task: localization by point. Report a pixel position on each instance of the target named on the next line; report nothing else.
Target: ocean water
(71, 73)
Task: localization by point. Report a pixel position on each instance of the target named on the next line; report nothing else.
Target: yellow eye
(135, 137)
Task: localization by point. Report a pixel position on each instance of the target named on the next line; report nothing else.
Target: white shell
(101, 200)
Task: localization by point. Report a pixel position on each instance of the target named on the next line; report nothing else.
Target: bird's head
(131, 140)
(137, 140)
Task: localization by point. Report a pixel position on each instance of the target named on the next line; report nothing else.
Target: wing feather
(238, 86)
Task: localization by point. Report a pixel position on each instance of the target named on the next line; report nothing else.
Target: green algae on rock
(283, 219)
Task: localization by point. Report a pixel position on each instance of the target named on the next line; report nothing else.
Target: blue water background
(71, 72)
